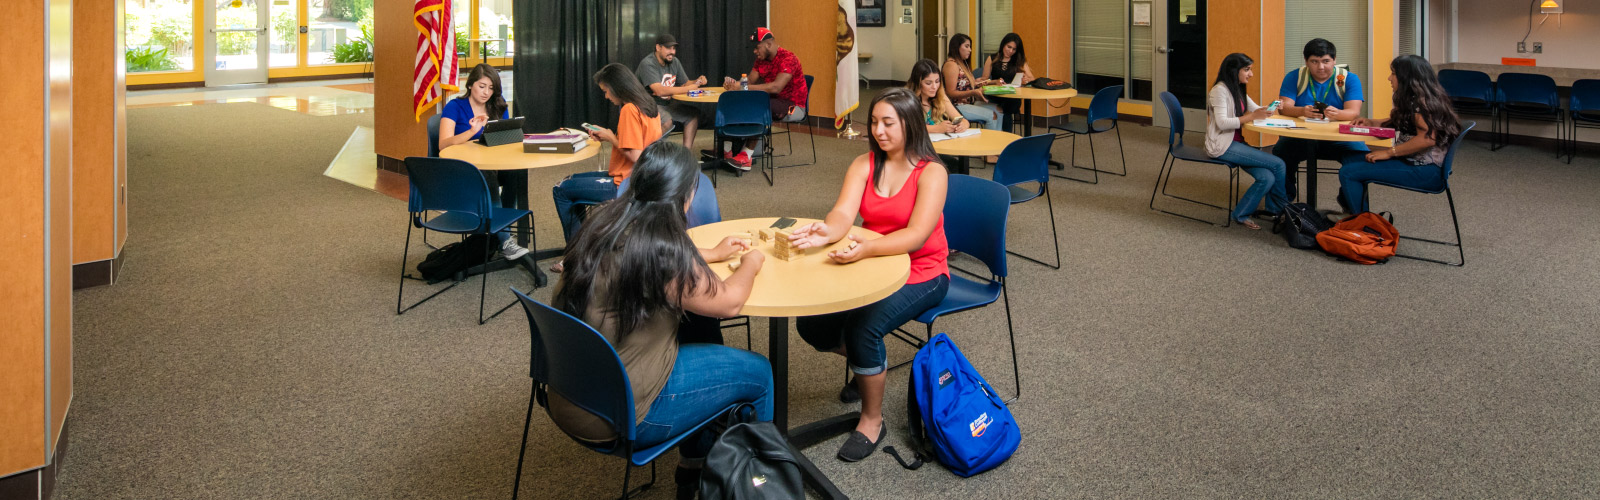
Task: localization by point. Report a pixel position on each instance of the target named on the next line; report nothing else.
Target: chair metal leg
(1055, 239)
(1162, 181)
(400, 297)
(1073, 160)
(483, 287)
(522, 451)
(1461, 251)
(1016, 373)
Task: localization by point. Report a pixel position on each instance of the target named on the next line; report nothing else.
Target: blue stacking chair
(1472, 93)
(570, 358)
(457, 190)
(1177, 150)
(1028, 161)
(1449, 160)
(788, 133)
(744, 114)
(1102, 118)
(975, 212)
(433, 135)
(1583, 108)
(1529, 97)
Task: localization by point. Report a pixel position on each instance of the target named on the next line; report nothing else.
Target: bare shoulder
(861, 164)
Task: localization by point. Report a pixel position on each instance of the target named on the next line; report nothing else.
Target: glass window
(494, 21)
(159, 35)
(1100, 47)
(995, 22)
(1343, 22)
(340, 32)
(285, 33)
(461, 18)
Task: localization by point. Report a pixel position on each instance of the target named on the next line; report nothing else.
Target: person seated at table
(1321, 80)
(1230, 107)
(462, 122)
(966, 90)
(778, 73)
(662, 72)
(898, 189)
(1425, 124)
(631, 273)
(638, 125)
(928, 85)
(1003, 67)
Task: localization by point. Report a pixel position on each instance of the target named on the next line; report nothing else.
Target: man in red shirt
(777, 72)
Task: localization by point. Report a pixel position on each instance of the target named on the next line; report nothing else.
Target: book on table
(562, 143)
(954, 135)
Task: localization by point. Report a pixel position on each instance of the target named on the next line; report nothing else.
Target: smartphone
(591, 127)
(783, 223)
(1273, 108)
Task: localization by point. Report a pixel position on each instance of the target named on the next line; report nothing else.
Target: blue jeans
(584, 187)
(1293, 151)
(1357, 172)
(985, 114)
(1268, 170)
(860, 331)
(705, 380)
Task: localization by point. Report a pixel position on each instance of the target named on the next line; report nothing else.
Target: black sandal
(858, 447)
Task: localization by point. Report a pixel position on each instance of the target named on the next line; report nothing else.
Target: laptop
(502, 132)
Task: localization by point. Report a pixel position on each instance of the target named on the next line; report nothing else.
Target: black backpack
(1300, 224)
(751, 461)
(454, 259)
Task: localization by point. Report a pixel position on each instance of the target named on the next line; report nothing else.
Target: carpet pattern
(251, 348)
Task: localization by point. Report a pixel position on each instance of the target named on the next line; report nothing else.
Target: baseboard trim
(1523, 140)
(96, 273)
(40, 483)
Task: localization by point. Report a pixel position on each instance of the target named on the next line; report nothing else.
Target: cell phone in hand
(1273, 107)
(783, 223)
(591, 127)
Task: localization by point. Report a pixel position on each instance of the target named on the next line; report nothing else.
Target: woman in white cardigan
(1227, 110)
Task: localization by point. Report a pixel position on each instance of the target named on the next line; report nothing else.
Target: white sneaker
(512, 250)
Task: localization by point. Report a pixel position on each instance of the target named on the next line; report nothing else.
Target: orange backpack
(1364, 238)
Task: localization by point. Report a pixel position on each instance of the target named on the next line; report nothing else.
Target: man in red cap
(777, 72)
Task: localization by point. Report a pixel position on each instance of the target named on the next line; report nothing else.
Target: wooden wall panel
(1269, 67)
(1380, 96)
(22, 435)
(399, 133)
(1235, 26)
(119, 110)
(1046, 30)
(58, 332)
(94, 173)
(806, 27)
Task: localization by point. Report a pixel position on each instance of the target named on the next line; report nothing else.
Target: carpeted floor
(251, 348)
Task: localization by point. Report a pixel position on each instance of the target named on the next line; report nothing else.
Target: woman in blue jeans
(1424, 124)
(1229, 107)
(632, 273)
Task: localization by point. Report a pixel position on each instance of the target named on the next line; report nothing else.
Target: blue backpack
(955, 412)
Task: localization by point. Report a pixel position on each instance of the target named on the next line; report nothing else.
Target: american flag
(436, 70)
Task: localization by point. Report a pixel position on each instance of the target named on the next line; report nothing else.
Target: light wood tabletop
(1316, 132)
(986, 143)
(809, 285)
(512, 157)
(712, 94)
(1033, 93)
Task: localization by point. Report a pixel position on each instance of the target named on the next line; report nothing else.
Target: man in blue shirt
(1321, 80)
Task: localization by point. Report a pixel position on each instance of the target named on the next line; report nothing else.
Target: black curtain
(562, 43)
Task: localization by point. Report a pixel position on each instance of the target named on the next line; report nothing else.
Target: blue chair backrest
(433, 135)
(702, 210)
(1104, 104)
(572, 359)
(1467, 84)
(809, 83)
(743, 107)
(1174, 120)
(975, 212)
(1450, 154)
(1025, 160)
(1524, 88)
(447, 185)
(1585, 96)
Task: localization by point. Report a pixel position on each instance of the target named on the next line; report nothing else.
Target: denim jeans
(705, 380)
(860, 331)
(586, 187)
(1357, 172)
(1293, 151)
(1268, 170)
(984, 114)
(500, 184)
(1009, 108)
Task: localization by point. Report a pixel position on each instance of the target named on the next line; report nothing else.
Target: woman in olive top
(631, 274)
(966, 90)
(1424, 125)
(1004, 67)
(928, 85)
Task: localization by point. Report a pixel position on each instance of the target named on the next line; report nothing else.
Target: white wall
(1490, 29)
(893, 47)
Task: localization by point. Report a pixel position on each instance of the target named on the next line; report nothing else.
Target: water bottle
(744, 81)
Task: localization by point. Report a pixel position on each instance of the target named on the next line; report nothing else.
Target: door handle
(1163, 50)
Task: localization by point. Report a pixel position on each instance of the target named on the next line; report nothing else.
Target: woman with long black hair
(638, 125)
(898, 190)
(1228, 110)
(631, 273)
(1424, 124)
(1003, 67)
(965, 89)
(462, 121)
(928, 85)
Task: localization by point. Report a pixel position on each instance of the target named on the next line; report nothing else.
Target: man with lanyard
(1321, 80)
(663, 74)
(777, 72)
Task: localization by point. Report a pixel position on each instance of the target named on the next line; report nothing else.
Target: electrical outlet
(1522, 47)
(1538, 47)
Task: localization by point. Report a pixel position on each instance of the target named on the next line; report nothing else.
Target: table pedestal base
(805, 435)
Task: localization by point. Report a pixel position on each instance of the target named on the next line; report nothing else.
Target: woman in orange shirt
(638, 125)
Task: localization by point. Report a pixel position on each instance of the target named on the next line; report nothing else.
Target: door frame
(215, 77)
(1194, 120)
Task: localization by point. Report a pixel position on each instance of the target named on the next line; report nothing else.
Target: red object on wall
(1518, 61)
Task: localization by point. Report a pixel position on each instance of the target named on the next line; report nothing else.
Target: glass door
(1180, 59)
(237, 42)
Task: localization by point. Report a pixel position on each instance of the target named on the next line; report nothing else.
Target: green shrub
(285, 28)
(140, 59)
(353, 51)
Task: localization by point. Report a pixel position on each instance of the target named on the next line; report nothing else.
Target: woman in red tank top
(898, 189)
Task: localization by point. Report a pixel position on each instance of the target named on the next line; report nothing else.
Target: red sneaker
(740, 161)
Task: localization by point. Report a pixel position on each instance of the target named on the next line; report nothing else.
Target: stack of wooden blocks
(782, 248)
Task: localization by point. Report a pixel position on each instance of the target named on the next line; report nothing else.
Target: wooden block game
(784, 249)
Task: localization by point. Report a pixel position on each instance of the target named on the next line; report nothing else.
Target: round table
(512, 157)
(712, 94)
(986, 143)
(1030, 94)
(1314, 131)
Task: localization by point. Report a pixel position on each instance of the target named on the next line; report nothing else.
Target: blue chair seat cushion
(642, 457)
(1080, 125)
(1021, 192)
(964, 294)
(750, 130)
(1191, 153)
(466, 223)
(1414, 189)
